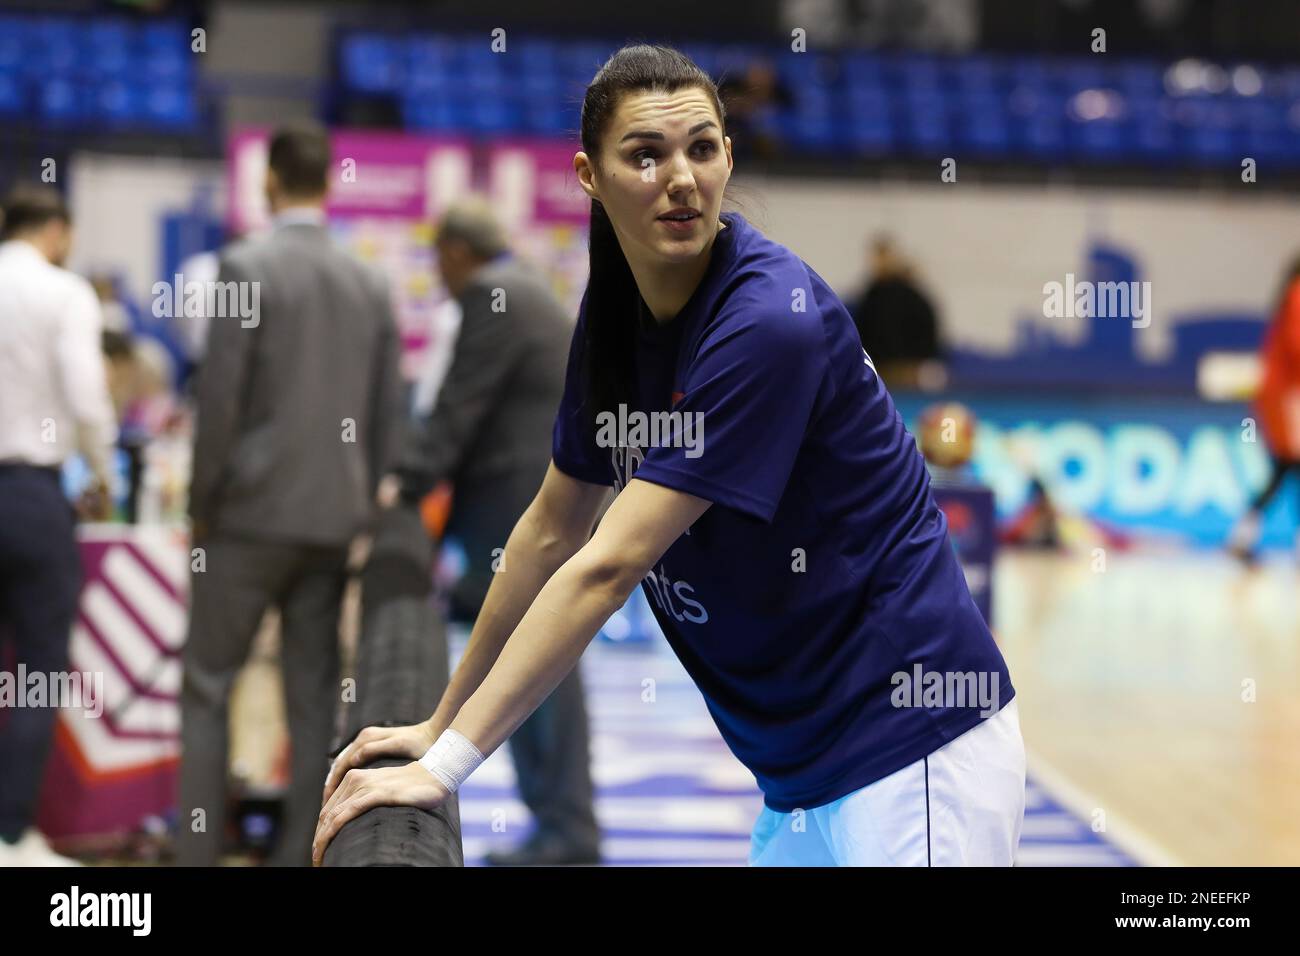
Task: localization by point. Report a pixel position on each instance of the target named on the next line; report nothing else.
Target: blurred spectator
(53, 401)
(139, 381)
(296, 415)
(754, 101)
(490, 434)
(1277, 404)
(1037, 523)
(139, 375)
(119, 364)
(192, 330)
(897, 323)
(116, 318)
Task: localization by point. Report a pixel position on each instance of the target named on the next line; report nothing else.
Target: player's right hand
(374, 742)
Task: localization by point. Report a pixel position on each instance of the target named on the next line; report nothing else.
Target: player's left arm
(642, 523)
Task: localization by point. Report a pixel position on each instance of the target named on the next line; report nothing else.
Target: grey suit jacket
(297, 415)
(490, 428)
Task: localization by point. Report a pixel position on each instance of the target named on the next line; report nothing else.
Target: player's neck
(667, 288)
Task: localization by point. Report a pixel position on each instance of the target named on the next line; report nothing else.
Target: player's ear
(726, 144)
(586, 173)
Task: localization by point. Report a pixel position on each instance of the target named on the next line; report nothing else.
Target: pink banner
(378, 175)
(532, 182)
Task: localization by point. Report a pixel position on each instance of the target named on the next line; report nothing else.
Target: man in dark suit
(490, 433)
(298, 401)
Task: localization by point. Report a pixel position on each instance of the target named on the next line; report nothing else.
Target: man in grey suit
(490, 433)
(298, 411)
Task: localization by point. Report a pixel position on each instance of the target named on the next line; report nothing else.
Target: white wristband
(451, 759)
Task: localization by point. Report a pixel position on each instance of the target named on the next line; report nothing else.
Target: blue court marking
(669, 792)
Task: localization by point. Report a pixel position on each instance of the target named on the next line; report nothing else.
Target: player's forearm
(546, 645)
(532, 555)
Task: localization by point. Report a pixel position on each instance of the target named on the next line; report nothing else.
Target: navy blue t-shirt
(818, 604)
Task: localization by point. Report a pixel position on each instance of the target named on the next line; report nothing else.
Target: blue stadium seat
(165, 35)
(13, 98)
(1030, 75)
(580, 61)
(54, 50)
(1139, 78)
(870, 123)
(163, 53)
(119, 104)
(170, 108)
(1072, 75)
(473, 55)
(430, 65)
(1099, 139)
(372, 64)
(1286, 82)
(814, 132)
(922, 74)
(539, 83)
(807, 72)
(1041, 135)
(536, 56)
(1272, 146)
(863, 100)
(870, 103)
(925, 123)
(60, 102)
(864, 70)
(433, 114)
(480, 72)
(983, 125)
(547, 116)
(1153, 134)
(14, 41)
(871, 136)
(732, 59)
(704, 55)
(494, 117)
(107, 49)
(978, 74)
(534, 68)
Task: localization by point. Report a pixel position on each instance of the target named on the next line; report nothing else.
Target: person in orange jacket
(1277, 405)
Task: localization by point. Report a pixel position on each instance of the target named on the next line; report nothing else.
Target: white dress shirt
(53, 391)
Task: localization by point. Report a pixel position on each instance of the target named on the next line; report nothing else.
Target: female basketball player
(1277, 403)
(781, 525)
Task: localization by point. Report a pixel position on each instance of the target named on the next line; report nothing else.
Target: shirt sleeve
(81, 369)
(573, 441)
(749, 394)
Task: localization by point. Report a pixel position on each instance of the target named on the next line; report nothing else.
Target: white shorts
(960, 806)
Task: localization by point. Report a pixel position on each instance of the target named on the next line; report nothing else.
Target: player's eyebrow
(655, 134)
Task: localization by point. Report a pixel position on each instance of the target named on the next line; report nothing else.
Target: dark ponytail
(613, 301)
